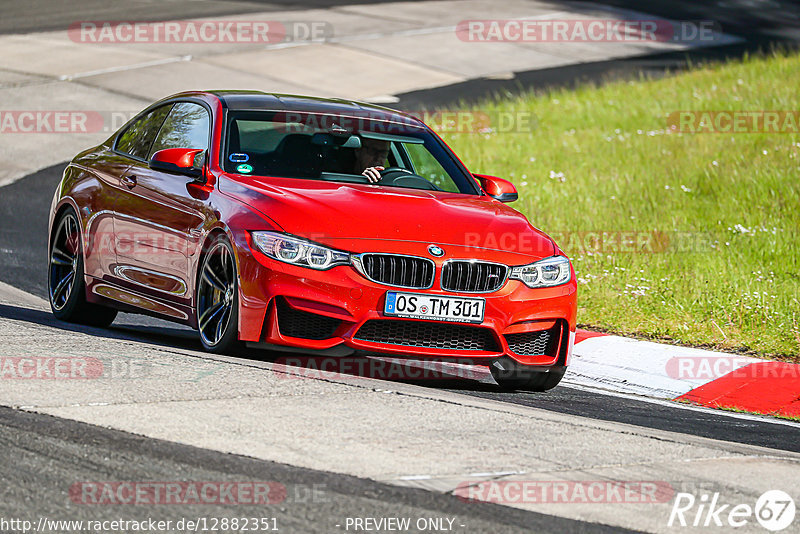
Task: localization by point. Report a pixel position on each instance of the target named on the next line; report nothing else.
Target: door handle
(129, 181)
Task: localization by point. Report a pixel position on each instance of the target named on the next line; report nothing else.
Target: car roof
(257, 100)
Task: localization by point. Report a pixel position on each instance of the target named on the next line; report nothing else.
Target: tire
(66, 285)
(512, 376)
(217, 299)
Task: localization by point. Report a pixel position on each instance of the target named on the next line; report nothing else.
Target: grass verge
(714, 218)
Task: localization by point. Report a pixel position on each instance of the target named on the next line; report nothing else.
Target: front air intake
(429, 335)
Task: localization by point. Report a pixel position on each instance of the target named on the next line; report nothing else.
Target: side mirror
(498, 188)
(178, 161)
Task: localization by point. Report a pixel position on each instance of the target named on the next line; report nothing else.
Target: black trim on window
(153, 107)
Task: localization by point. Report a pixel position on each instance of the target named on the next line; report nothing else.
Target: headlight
(545, 273)
(290, 249)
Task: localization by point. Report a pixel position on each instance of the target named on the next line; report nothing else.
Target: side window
(186, 126)
(138, 138)
(428, 167)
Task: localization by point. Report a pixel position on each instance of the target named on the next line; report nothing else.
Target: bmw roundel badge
(436, 251)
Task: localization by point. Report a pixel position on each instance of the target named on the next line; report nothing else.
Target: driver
(371, 157)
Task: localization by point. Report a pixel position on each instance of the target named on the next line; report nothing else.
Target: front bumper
(338, 311)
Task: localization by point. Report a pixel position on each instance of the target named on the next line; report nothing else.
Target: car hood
(332, 212)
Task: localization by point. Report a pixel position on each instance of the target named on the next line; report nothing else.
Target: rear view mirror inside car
(327, 139)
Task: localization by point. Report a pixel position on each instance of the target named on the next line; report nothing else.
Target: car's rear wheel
(65, 281)
(218, 298)
(511, 376)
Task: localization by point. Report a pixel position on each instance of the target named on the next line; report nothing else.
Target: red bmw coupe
(313, 225)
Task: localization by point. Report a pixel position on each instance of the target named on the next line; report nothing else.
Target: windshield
(342, 149)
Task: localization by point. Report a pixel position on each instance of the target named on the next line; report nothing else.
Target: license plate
(434, 307)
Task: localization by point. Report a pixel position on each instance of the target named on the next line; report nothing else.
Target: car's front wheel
(218, 298)
(65, 281)
(511, 375)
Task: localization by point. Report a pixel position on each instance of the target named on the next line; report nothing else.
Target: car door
(161, 212)
(101, 171)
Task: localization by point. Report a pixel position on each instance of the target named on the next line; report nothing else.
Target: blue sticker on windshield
(239, 157)
(244, 168)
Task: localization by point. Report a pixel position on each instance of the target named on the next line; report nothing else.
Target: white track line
(122, 68)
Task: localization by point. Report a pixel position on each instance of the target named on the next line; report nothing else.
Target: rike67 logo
(774, 510)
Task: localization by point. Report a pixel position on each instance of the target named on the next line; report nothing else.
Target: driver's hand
(373, 174)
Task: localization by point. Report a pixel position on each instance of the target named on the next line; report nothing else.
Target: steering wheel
(400, 177)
